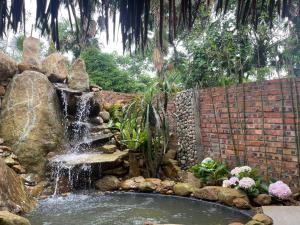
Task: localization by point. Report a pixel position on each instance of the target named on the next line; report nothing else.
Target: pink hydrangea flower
(246, 183)
(231, 182)
(235, 171)
(226, 183)
(234, 180)
(280, 190)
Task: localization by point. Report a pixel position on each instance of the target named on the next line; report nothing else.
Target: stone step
(71, 160)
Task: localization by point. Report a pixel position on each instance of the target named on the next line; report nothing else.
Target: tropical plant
(210, 172)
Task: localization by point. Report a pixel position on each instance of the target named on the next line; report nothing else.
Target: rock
(31, 120)
(96, 120)
(183, 189)
(241, 203)
(118, 171)
(171, 154)
(108, 183)
(189, 177)
(2, 90)
(132, 183)
(78, 78)
(12, 191)
(5, 148)
(19, 169)
(171, 169)
(165, 186)
(30, 179)
(155, 181)
(263, 219)
(227, 196)
(1, 141)
(254, 222)
(108, 149)
(10, 161)
(8, 67)
(149, 185)
(146, 186)
(31, 55)
(24, 66)
(263, 199)
(37, 190)
(105, 116)
(55, 67)
(7, 218)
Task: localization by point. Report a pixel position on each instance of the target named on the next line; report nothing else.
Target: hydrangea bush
(280, 190)
(210, 172)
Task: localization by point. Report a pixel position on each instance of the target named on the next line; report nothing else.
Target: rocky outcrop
(7, 218)
(8, 67)
(228, 196)
(31, 55)
(13, 196)
(55, 67)
(78, 78)
(31, 121)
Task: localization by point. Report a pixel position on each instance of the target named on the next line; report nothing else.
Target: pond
(131, 209)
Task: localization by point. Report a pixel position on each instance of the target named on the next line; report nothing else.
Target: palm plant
(136, 15)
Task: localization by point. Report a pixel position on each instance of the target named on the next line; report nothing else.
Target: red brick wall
(263, 116)
(114, 97)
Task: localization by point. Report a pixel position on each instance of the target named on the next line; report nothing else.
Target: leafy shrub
(210, 172)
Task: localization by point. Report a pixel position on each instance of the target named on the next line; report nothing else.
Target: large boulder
(7, 218)
(13, 196)
(55, 67)
(8, 67)
(78, 78)
(31, 120)
(31, 55)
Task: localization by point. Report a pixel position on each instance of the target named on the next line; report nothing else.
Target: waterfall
(77, 132)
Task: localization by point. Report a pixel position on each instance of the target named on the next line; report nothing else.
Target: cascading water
(77, 140)
(79, 134)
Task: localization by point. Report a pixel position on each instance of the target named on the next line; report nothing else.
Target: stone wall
(256, 124)
(186, 123)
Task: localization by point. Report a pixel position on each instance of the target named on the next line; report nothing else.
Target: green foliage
(104, 71)
(210, 172)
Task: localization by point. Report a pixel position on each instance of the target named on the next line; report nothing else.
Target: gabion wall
(186, 124)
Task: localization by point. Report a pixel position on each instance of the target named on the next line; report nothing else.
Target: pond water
(131, 209)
